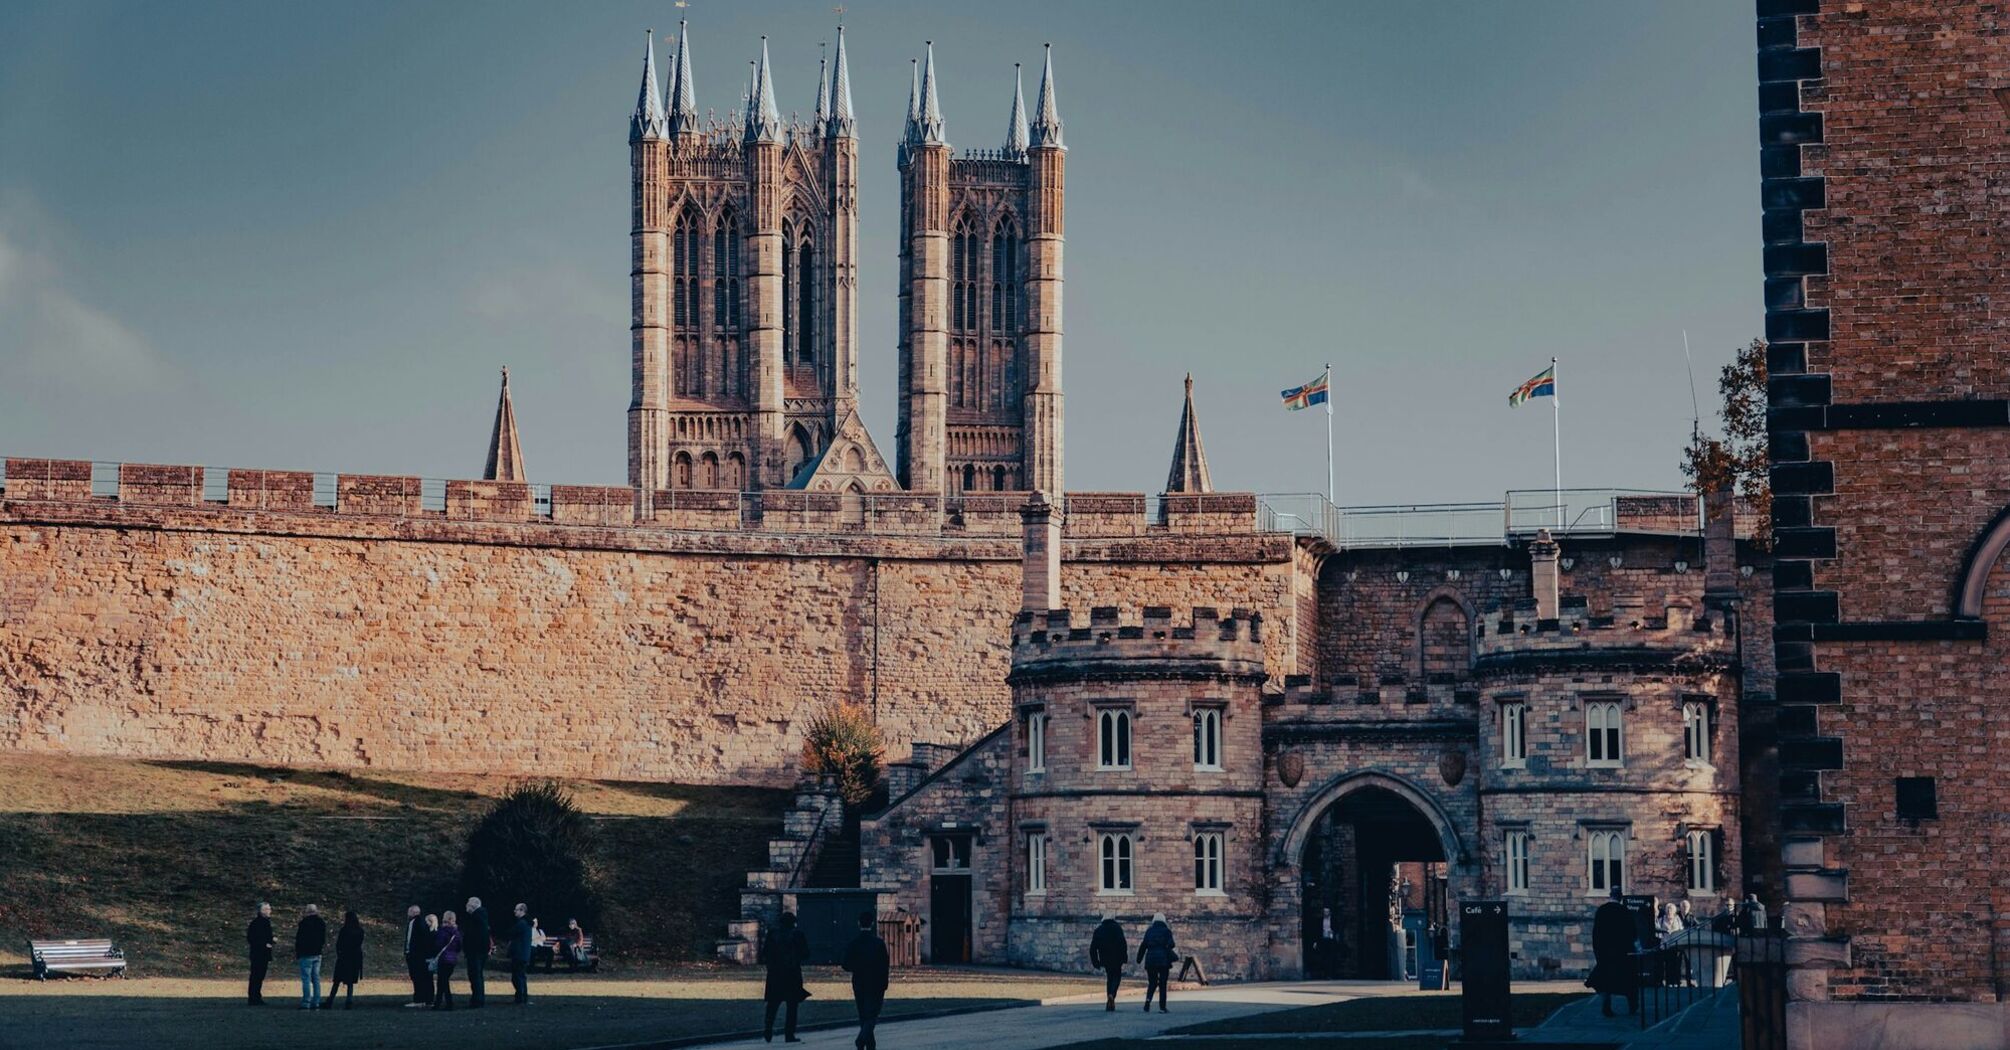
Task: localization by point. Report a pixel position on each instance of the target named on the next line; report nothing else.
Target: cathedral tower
(744, 282)
(980, 349)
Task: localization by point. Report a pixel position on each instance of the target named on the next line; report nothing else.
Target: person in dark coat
(259, 942)
(521, 939)
(784, 953)
(310, 939)
(348, 961)
(871, 970)
(446, 953)
(1108, 953)
(418, 948)
(1613, 935)
(475, 949)
(1156, 952)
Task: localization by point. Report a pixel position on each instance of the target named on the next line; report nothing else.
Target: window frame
(1517, 846)
(1036, 742)
(1116, 864)
(1120, 749)
(1036, 863)
(1698, 751)
(1701, 861)
(1209, 864)
(1208, 719)
(1514, 734)
(1598, 870)
(1612, 733)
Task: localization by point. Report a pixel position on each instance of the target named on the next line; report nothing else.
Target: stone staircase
(812, 822)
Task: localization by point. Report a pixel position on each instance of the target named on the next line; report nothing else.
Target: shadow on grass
(400, 794)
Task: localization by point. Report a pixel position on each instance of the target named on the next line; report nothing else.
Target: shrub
(842, 742)
(531, 846)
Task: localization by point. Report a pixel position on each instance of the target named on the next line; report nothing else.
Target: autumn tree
(1737, 462)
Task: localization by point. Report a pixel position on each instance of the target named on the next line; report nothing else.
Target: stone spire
(911, 130)
(1047, 121)
(647, 121)
(683, 101)
(1189, 459)
(928, 125)
(842, 125)
(505, 453)
(1015, 129)
(823, 115)
(764, 121)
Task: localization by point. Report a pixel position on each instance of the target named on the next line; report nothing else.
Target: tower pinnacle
(683, 101)
(842, 125)
(929, 123)
(1047, 121)
(1015, 129)
(647, 121)
(912, 130)
(823, 114)
(1189, 460)
(764, 121)
(505, 461)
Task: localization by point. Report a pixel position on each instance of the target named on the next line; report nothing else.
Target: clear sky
(306, 236)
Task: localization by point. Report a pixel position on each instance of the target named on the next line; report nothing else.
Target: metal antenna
(1695, 406)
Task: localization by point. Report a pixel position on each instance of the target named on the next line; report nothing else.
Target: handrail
(810, 844)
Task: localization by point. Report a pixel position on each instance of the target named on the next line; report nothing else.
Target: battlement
(1677, 627)
(1057, 641)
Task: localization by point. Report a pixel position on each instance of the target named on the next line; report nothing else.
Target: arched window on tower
(969, 477)
(1005, 277)
(726, 272)
(806, 300)
(789, 318)
(998, 478)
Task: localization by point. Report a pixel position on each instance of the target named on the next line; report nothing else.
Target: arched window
(1696, 733)
(1514, 734)
(969, 477)
(684, 253)
(806, 301)
(1036, 862)
(681, 470)
(1207, 863)
(1444, 641)
(736, 472)
(1518, 843)
(1605, 861)
(795, 453)
(726, 273)
(1036, 742)
(789, 320)
(1113, 738)
(1602, 737)
(1115, 852)
(1702, 849)
(708, 470)
(1207, 738)
(1005, 277)
(998, 478)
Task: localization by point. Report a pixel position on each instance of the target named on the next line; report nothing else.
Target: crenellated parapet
(1678, 633)
(1155, 644)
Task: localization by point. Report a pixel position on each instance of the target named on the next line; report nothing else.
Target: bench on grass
(560, 949)
(84, 956)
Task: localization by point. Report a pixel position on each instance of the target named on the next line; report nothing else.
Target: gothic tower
(980, 317)
(744, 278)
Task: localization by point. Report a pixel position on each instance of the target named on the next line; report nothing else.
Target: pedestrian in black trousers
(786, 950)
(447, 939)
(1108, 952)
(258, 941)
(1156, 952)
(418, 948)
(871, 969)
(520, 942)
(348, 961)
(475, 949)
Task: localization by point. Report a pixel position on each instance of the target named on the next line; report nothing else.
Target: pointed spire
(505, 453)
(1047, 120)
(647, 121)
(683, 101)
(1015, 129)
(929, 122)
(1189, 460)
(842, 125)
(823, 115)
(764, 121)
(911, 132)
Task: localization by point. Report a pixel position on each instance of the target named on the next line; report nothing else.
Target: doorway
(949, 899)
(1374, 883)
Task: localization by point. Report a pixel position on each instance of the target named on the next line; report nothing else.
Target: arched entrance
(1374, 867)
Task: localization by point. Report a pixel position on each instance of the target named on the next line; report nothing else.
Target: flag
(1542, 385)
(1313, 393)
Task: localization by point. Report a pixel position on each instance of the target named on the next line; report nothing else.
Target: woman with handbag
(447, 952)
(348, 961)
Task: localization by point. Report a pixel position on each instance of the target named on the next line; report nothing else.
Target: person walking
(1752, 916)
(475, 948)
(784, 953)
(871, 970)
(1156, 952)
(446, 953)
(418, 948)
(1612, 942)
(522, 939)
(309, 939)
(1108, 953)
(348, 961)
(258, 941)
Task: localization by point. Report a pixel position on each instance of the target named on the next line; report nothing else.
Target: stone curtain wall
(315, 639)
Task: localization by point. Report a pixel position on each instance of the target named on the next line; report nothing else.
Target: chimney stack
(1042, 567)
(1543, 554)
(1720, 548)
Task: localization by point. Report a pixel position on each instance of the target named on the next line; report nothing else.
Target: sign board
(1484, 990)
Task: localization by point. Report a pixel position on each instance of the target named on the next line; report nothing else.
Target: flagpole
(1332, 493)
(1556, 439)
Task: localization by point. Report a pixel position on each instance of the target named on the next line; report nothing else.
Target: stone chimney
(1543, 554)
(1720, 548)
(1042, 568)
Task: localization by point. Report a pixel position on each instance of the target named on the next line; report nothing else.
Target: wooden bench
(560, 948)
(78, 956)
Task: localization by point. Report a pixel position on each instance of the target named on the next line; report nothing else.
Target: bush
(531, 847)
(842, 742)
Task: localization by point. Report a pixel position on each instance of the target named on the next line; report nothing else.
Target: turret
(925, 204)
(1188, 473)
(647, 122)
(505, 462)
(683, 115)
(1016, 138)
(840, 309)
(764, 278)
(1047, 156)
(649, 335)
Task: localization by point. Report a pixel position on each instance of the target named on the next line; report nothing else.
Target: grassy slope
(169, 858)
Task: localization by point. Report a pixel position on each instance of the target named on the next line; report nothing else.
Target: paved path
(1081, 1018)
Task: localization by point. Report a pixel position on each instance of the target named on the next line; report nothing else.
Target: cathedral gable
(851, 462)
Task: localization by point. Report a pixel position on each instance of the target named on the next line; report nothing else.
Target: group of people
(1109, 953)
(1616, 938)
(865, 958)
(434, 946)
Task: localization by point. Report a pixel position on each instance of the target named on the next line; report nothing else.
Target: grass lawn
(1435, 1010)
(169, 858)
(567, 1011)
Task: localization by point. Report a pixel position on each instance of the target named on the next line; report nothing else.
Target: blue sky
(306, 236)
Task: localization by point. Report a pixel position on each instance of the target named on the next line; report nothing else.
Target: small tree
(532, 846)
(842, 742)
(1738, 462)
